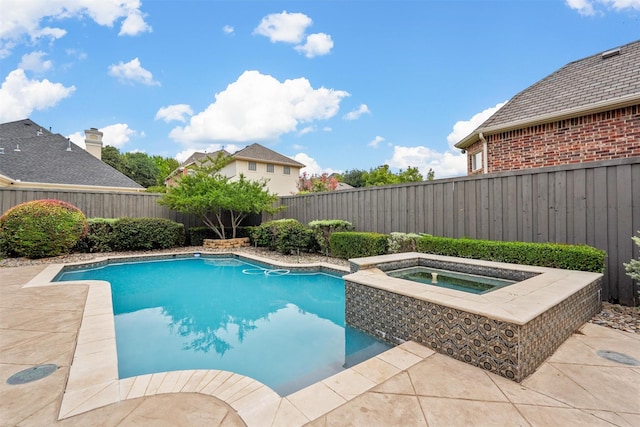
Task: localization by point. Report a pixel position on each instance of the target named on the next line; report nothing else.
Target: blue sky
(336, 85)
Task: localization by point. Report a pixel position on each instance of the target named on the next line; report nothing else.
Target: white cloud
(463, 128)
(316, 45)
(311, 165)
(355, 114)
(24, 19)
(592, 7)
(134, 24)
(228, 29)
(306, 130)
(117, 135)
(132, 72)
(284, 27)
(34, 62)
(444, 165)
(291, 28)
(175, 112)
(375, 142)
(259, 107)
(78, 139)
(19, 96)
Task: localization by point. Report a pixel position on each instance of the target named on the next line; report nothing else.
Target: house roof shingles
(263, 154)
(43, 157)
(595, 80)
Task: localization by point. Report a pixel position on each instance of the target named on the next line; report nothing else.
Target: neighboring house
(587, 110)
(255, 162)
(33, 157)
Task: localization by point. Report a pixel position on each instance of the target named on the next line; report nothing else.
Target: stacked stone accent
(240, 242)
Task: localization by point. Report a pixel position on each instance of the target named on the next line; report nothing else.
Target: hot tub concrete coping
(518, 303)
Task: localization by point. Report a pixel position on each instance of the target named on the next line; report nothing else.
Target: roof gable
(257, 152)
(32, 154)
(602, 80)
(198, 155)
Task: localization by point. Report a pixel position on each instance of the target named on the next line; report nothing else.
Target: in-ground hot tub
(509, 331)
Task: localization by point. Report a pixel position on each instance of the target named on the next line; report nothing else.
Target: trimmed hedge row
(130, 234)
(554, 255)
(351, 244)
(286, 236)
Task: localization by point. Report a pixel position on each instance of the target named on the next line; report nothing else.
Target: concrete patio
(415, 387)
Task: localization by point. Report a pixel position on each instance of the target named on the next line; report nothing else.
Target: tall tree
(165, 166)
(141, 168)
(354, 177)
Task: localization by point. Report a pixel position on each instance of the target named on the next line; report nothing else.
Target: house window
(476, 161)
(286, 170)
(253, 166)
(270, 168)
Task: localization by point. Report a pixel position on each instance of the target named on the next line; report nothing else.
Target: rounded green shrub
(42, 228)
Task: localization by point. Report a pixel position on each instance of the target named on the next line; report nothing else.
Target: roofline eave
(6, 182)
(623, 101)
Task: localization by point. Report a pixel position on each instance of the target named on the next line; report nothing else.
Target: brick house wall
(600, 136)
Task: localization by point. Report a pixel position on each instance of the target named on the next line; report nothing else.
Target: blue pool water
(286, 330)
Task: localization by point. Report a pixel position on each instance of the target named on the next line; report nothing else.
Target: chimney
(93, 140)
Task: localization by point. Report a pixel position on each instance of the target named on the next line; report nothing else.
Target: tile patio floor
(574, 387)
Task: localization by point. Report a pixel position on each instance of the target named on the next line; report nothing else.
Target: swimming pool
(283, 328)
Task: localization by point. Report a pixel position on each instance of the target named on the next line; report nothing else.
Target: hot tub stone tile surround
(509, 331)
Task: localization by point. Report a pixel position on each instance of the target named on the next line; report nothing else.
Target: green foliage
(322, 230)
(355, 178)
(141, 168)
(211, 196)
(403, 242)
(99, 237)
(42, 228)
(146, 170)
(554, 255)
(633, 267)
(130, 234)
(164, 165)
(111, 156)
(382, 175)
(412, 174)
(156, 189)
(284, 235)
(196, 235)
(350, 244)
(431, 175)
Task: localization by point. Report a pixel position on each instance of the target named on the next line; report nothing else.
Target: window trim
(476, 161)
(271, 168)
(252, 166)
(286, 170)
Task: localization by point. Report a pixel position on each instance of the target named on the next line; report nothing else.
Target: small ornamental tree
(42, 228)
(210, 196)
(316, 183)
(633, 266)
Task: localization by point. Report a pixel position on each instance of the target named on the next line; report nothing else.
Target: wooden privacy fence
(596, 203)
(101, 204)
